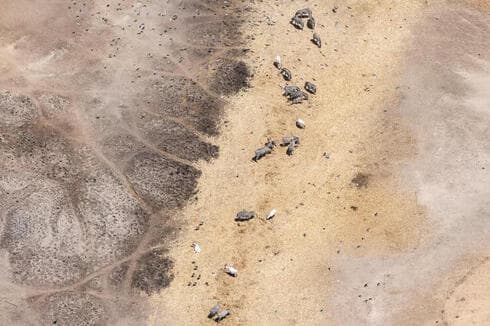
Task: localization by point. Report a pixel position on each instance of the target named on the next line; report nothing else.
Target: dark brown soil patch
(360, 180)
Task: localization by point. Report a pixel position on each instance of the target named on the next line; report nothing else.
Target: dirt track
(112, 114)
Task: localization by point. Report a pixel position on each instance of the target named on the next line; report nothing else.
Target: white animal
(214, 311)
(300, 124)
(277, 62)
(197, 248)
(271, 214)
(230, 270)
(222, 315)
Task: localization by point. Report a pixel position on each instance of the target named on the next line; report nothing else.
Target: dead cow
(263, 151)
(303, 13)
(317, 40)
(297, 22)
(286, 74)
(213, 311)
(244, 216)
(222, 315)
(291, 148)
(310, 87)
(291, 142)
(289, 139)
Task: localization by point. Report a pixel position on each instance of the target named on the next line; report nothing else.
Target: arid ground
(127, 130)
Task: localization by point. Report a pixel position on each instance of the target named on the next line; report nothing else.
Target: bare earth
(126, 135)
(404, 91)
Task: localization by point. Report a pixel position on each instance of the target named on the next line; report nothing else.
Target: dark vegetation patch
(174, 138)
(118, 275)
(217, 33)
(16, 110)
(183, 98)
(231, 76)
(161, 182)
(153, 272)
(114, 220)
(55, 157)
(164, 228)
(72, 309)
(54, 105)
(120, 146)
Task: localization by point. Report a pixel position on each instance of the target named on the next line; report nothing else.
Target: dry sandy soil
(127, 131)
(403, 98)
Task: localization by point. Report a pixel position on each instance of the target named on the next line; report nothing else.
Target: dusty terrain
(127, 131)
(106, 106)
(403, 99)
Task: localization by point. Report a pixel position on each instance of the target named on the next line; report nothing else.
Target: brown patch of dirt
(360, 180)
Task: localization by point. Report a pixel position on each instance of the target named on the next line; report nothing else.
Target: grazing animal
(230, 270)
(303, 13)
(311, 23)
(300, 124)
(244, 216)
(222, 315)
(290, 90)
(213, 311)
(317, 40)
(291, 142)
(286, 74)
(298, 97)
(298, 100)
(310, 87)
(297, 22)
